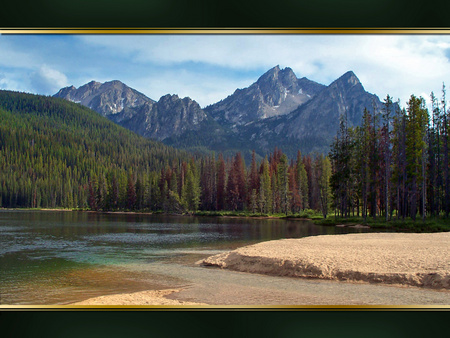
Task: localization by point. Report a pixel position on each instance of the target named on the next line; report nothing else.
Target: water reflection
(52, 257)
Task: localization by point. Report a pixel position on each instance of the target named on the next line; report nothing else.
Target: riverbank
(390, 258)
(408, 225)
(402, 225)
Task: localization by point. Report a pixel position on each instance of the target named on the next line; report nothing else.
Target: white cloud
(47, 80)
(204, 88)
(396, 64)
(209, 67)
(7, 83)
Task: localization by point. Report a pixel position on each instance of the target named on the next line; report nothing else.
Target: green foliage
(51, 150)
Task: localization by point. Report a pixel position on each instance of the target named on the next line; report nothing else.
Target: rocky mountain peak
(92, 84)
(65, 92)
(278, 109)
(169, 117)
(107, 98)
(277, 92)
(270, 75)
(349, 79)
(285, 77)
(169, 98)
(174, 103)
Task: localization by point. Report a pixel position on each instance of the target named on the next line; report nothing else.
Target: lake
(59, 257)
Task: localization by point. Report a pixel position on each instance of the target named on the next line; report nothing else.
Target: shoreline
(419, 260)
(148, 297)
(431, 225)
(398, 260)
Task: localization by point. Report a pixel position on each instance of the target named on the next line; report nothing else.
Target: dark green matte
(224, 14)
(229, 13)
(112, 324)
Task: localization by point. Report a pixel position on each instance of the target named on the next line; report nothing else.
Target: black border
(260, 324)
(225, 14)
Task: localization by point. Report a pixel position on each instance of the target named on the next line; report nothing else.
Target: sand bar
(151, 297)
(421, 260)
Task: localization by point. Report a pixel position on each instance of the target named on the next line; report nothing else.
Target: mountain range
(278, 110)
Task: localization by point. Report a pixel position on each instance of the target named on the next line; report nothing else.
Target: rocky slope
(171, 116)
(277, 92)
(109, 98)
(312, 126)
(278, 110)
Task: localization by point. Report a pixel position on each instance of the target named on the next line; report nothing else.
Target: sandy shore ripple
(393, 258)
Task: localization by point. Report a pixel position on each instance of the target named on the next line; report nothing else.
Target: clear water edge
(64, 257)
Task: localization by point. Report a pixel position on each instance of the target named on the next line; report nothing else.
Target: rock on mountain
(275, 93)
(345, 96)
(312, 126)
(171, 116)
(107, 98)
(278, 110)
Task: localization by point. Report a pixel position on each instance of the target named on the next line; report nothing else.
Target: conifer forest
(57, 154)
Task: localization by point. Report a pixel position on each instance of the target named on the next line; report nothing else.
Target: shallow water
(63, 257)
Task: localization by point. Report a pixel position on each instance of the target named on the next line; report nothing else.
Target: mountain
(345, 96)
(278, 110)
(312, 126)
(109, 98)
(169, 117)
(275, 93)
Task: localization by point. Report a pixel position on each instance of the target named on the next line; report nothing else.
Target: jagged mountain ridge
(312, 126)
(278, 110)
(277, 92)
(107, 98)
(168, 117)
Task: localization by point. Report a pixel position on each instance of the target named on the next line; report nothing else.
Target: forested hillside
(50, 149)
(56, 153)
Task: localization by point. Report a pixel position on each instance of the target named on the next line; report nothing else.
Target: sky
(208, 68)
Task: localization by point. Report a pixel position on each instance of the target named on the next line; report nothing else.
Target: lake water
(61, 257)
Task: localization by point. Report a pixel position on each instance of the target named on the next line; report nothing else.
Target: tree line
(276, 185)
(54, 153)
(395, 165)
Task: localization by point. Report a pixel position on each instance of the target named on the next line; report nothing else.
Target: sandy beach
(397, 259)
(152, 297)
(393, 258)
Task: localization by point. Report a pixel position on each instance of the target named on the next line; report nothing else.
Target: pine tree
(191, 190)
(114, 194)
(302, 180)
(416, 152)
(265, 191)
(387, 151)
(283, 183)
(445, 150)
(131, 193)
(221, 183)
(323, 174)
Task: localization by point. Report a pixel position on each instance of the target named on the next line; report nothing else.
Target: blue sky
(208, 68)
